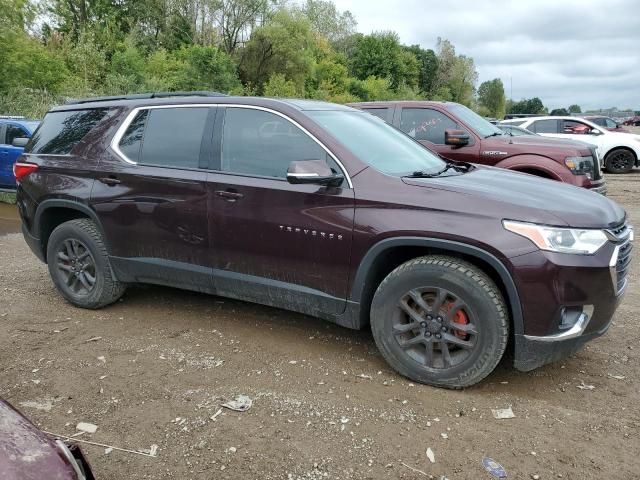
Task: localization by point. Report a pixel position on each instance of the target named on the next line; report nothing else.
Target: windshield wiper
(495, 134)
(422, 174)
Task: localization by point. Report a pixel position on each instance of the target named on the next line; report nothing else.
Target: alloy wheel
(76, 266)
(435, 327)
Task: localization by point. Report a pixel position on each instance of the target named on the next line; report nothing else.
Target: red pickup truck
(457, 133)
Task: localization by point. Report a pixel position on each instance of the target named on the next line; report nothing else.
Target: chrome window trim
(115, 141)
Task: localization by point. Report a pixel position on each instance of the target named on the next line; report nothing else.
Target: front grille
(622, 235)
(622, 265)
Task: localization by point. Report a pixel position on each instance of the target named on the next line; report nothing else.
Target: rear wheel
(79, 265)
(619, 161)
(440, 321)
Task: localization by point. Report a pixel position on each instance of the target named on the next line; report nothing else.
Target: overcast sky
(563, 51)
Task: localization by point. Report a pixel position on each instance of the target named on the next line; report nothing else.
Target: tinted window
(61, 131)
(172, 137)
(13, 131)
(473, 120)
(132, 138)
(262, 143)
(600, 121)
(376, 142)
(425, 124)
(544, 126)
(609, 123)
(382, 113)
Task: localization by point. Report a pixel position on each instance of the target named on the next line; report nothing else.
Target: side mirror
(595, 131)
(20, 142)
(457, 138)
(313, 172)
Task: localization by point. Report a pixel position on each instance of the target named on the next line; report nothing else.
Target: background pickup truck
(457, 133)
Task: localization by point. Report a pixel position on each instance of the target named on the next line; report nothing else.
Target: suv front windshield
(377, 143)
(475, 121)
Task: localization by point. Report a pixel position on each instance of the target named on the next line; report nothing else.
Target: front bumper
(550, 285)
(601, 189)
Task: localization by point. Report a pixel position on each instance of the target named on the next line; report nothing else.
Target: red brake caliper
(459, 318)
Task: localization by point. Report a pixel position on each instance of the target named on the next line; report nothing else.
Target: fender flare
(70, 205)
(374, 252)
(535, 162)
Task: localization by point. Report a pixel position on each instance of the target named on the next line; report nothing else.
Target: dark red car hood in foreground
(26, 453)
(519, 196)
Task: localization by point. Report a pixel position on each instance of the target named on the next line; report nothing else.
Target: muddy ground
(155, 367)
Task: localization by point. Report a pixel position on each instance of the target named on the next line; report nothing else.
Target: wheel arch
(535, 165)
(53, 212)
(386, 255)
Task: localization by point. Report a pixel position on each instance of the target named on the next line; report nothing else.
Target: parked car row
(619, 151)
(457, 133)
(327, 210)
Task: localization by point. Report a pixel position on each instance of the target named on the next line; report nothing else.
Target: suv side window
(609, 123)
(166, 137)
(61, 131)
(13, 132)
(425, 124)
(255, 142)
(544, 126)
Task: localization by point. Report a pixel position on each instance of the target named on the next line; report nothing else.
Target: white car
(619, 152)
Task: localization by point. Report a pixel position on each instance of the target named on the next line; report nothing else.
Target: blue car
(12, 128)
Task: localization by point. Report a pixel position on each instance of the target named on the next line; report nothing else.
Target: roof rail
(12, 117)
(144, 96)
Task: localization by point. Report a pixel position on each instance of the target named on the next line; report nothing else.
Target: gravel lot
(155, 367)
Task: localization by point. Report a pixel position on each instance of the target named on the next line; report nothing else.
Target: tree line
(58, 49)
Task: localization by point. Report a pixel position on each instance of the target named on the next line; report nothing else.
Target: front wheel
(619, 161)
(441, 321)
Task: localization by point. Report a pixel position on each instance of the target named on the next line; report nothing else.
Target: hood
(26, 453)
(536, 143)
(523, 197)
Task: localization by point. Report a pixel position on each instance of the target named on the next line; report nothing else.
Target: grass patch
(6, 197)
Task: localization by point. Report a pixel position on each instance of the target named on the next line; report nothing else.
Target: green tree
(574, 109)
(491, 96)
(328, 21)
(558, 112)
(427, 67)
(532, 105)
(279, 86)
(381, 55)
(455, 72)
(285, 45)
(205, 68)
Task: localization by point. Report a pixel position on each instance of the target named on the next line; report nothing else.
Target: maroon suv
(457, 133)
(325, 210)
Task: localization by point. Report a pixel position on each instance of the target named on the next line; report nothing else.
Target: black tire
(453, 286)
(619, 160)
(79, 265)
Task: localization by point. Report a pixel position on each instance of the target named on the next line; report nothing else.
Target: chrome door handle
(228, 195)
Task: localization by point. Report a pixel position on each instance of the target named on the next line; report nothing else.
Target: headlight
(580, 165)
(562, 240)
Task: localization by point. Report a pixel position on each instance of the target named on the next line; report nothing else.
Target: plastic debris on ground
(241, 403)
(502, 413)
(87, 427)
(494, 468)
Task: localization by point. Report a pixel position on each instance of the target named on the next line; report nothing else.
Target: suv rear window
(61, 131)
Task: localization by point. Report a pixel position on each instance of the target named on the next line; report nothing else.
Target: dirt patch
(9, 219)
(155, 367)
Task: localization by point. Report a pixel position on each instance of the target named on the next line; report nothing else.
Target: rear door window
(425, 124)
(544, 126)
(61, 131)
(166, 137)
